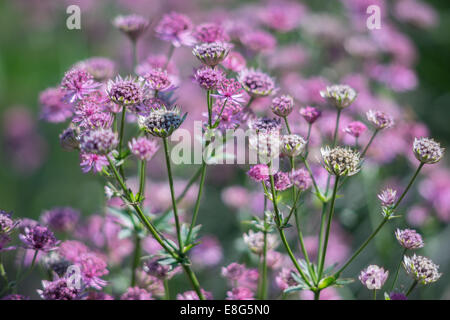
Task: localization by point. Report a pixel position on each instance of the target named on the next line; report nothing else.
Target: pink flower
(259, 41)
(355, 129)
(176, 28)
(143, 148)
(210, 32)
(240, 293)
(234, 61)
(96, 162)
(53, 106)
(77, 83)
(92, 268)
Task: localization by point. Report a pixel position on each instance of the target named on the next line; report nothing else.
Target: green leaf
(326, 282)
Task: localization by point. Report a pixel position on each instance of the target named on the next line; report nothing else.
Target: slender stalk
(409, 185)
(282, 235)
(194, 281)
(141, 193)
(316, 187)
(155, 233)
(363, 153)
(121, 134)
(288, 128)
(335, 137)
(139, 211)
(308, 136)
(166, 289)
(374, 294)
(413, 285)
(361, 248)
(136, 259)
(327, 232)
(398, 268)
(134, 53)
(186, 188)
(172, 194)
(208, 98)
(264, 264)
(321, 232)
(197, 202)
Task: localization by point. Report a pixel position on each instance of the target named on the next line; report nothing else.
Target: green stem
(413, 285)
(141, 193)
(155, 233)
(321, 231)
(172, 194)
(281, 232)
(194, 281)
(308, 136)
(374, 294)
(335, 136)
(197, 203)
(398, 268)
(327, 232)
(316, 187)
(166, 289)
(217, 122)
(136, 259)
(208, 98)
(409, 185)
(186, 189)
(363, 153)
(288, 128)
(121, 134)
(361, 248)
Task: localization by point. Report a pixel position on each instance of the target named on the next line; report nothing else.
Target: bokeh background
(36, 49)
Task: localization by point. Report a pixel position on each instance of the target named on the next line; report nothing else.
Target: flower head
(125, 92)
(136, 293)
(93, 267)
(355, 129)
(156, 269)
(132, 25)
(259, 41)
(397, 296)
(266, 144)
(7, 224)
(192, 295)
(255, 241)
(234, 271)
(292, 145)
(240, 293)
(427, 150)
(301, 179)
(211, 54)
(259, 172)
(209, 78)
(61, 219)
(262, 125)
(76, 83)
(210, 32)
(54, 108)
(157, 80)
(282, 106)
(339, 95)
(388, 197)
(143, 148)
(59, 289)
(421, 269)
(69, 138)
(162, 122)
(100, 141)
(176, 28)
(39, 238)
(93, 161)
(310, 114)
(234, 62)
(373, 277)
(229, 90)
(281, 181)
(99, 67)
(409, 239)
(256, 83)
(379, 119)
(341, 161)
